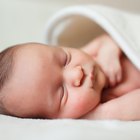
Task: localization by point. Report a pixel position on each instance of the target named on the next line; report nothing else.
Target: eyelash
(68, 58)
(63, 91)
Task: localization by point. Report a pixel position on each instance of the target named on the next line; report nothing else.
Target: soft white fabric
(122, 26)
(28, 129)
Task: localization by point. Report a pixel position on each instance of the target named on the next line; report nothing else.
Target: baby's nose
(75, 76)
(77, 81)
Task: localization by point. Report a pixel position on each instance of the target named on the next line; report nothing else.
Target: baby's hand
(109, 59)
(112, 68)
(107, 54)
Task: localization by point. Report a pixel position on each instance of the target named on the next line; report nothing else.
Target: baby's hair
(6, 66)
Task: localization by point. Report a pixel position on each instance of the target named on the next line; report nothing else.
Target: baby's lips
(88, 82)
(90, 74)
(90, 79)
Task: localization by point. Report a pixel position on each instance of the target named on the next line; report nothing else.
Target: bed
(12, 128)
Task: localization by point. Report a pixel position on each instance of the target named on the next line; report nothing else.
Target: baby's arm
(125, 107)
(103, 42)
(107, 54)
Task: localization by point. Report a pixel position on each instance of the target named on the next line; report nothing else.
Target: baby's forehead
(38, 53)
(32, 49)
(28, 62)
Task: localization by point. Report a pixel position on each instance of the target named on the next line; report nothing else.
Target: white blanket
(75, 26)
(82, 23)
(28, 129)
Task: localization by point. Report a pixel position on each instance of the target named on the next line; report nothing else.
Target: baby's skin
(94, 82)
(52, 82)
(120, 99)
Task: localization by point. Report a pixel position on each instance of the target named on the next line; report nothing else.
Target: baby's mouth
(92, 76)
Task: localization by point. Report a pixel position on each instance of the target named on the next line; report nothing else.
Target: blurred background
(25, 20)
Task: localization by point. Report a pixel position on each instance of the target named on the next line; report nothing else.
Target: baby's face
(53, 82)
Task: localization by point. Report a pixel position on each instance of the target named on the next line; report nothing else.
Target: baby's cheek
(89, 100)
(85, 100)
(79, 102)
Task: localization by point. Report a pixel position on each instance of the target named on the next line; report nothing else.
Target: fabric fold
(77, 25)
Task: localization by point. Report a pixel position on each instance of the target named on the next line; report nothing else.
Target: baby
(94, 82)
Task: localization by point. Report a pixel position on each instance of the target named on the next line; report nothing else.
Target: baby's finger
(112, 80)
(119, 73)
(119, 76)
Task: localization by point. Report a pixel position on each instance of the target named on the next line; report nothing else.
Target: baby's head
(48, 82)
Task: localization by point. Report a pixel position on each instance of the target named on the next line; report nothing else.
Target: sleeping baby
(94, 82)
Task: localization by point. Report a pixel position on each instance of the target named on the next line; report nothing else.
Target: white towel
(75, 26)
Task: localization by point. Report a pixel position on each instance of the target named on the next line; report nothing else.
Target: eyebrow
(61, 55)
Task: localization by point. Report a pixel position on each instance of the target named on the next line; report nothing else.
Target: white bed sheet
(12, 128)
